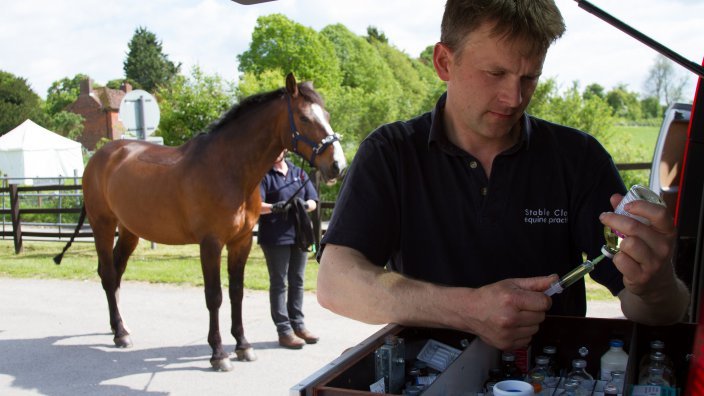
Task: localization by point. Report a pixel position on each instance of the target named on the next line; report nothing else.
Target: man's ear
(442, 60)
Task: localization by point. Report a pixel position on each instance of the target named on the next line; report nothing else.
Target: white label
(378, 386)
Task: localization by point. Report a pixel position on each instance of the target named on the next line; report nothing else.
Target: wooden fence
(16, 212)
(58, 234)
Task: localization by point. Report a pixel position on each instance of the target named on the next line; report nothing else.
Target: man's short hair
(537, 21)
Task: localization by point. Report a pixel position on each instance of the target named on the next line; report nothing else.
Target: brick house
(99, 107)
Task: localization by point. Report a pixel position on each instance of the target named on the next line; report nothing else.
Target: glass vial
(495, 375)
(553, 377)
(658, 346)
(580, 374)
(509, 370)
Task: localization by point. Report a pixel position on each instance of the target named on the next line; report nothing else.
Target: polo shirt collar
(275, 171)
(439, 136)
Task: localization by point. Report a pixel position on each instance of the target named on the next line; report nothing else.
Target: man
(458, 217)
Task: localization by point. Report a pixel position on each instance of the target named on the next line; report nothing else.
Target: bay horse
(203, 192)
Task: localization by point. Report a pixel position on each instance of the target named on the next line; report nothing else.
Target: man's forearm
(351, 286)
(664, 307)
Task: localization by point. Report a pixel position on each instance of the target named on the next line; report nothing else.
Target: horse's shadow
(65, 365)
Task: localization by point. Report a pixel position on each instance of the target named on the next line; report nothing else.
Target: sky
(46, 40)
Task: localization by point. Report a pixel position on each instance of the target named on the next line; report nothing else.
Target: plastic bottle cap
(616, 343)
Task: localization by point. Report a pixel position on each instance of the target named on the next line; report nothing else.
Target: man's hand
(653, 294)
(645, 255)
(280, 207)
(507, 314)
(504, 314)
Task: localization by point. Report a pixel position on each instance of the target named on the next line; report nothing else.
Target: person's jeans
(286, 264)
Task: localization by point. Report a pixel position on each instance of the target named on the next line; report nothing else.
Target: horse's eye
(305, 119)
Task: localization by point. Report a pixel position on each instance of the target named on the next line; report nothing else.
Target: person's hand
(302, 202)
(280, 207)
(645, 257)
(507, 314)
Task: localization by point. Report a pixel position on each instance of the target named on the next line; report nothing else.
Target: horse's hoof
(123, 342)
(221, 364)
(246, 355)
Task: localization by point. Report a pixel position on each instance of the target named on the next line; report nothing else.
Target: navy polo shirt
(278, 228)
(415, 201)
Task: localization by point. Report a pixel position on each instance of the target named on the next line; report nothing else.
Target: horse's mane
(305, 89)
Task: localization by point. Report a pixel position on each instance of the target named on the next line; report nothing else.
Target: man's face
(490, 81)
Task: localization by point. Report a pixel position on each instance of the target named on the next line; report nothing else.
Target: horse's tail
(81, 218)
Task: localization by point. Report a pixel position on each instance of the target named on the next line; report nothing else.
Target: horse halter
(296, 137)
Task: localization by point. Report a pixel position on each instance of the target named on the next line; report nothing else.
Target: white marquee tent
(31, 151)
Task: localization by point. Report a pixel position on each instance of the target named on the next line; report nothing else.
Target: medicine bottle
(656, 369)
(509, 370)
(669, 369)
(615, 359)
(495, 375)
(580, 374)
(553, 377)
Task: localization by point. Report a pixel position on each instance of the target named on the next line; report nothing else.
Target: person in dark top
(285, 261)
(462, 217)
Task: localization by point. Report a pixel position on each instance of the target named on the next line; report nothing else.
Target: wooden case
(353, 371)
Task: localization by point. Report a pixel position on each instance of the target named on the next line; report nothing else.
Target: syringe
(573, 276)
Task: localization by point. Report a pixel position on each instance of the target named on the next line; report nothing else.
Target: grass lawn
(163, 264)
(645, 136)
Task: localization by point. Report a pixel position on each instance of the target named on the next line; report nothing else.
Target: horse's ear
(291, 86)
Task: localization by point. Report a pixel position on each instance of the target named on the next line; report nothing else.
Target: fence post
(15, 214)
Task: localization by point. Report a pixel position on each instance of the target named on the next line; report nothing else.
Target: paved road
(55, 340)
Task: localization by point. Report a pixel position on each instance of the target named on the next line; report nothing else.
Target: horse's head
(312, 136)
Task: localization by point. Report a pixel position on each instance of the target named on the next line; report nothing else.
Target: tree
(360, 63)
(591, 115)
(146, 63)
(189, 104)
(18, 102)
(594, 90)
(419, 85)
(663, 81)
(651, 108)
(426, 57)
(62, 93)
(374, 34)
(281, 44)
(624, 104)
(66, 124)
(251, 84)
(118, 82)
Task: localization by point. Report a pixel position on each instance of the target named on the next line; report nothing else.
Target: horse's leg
(104, 236)
(237, 253)
(126, 243)
(210, 251)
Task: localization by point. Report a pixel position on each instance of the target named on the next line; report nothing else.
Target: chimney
(86, 86)
(126, 87)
